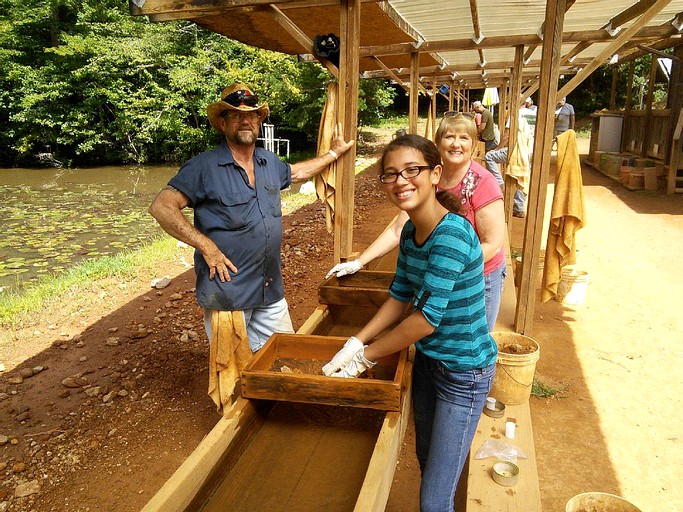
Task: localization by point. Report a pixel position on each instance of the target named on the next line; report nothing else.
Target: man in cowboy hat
(234, 190)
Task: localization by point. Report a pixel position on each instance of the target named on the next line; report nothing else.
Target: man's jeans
(493, 159)
(494, 290)
(261, 322)
(447, 406)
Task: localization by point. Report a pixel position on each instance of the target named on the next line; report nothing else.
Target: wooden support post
(515, 96)
(433, 109)
(647, 128)
(503, 105)
(613, 94)
(459, 97)
(671, 182)
(347, 113)
(629, 86)
(545, 123)
(414, 91)
(674, 98)
(450, 95)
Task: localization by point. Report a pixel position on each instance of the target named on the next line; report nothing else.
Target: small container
(491, 403)
(510, 429)
(505, 473)
(498, 410)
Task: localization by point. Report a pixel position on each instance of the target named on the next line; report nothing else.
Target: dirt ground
(104, 396)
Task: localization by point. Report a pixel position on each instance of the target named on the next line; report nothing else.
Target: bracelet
(334, 154)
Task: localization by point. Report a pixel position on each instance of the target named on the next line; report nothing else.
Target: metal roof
(469, 41)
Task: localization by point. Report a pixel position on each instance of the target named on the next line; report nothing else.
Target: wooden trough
(289, 450)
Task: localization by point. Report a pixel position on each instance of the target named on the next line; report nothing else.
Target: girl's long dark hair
(432, 157)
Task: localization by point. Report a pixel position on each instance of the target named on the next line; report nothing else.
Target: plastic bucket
(515, 367)
(599, 502)
(572, 286)
(517, 270)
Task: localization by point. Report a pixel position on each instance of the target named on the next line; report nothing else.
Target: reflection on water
(54, 218)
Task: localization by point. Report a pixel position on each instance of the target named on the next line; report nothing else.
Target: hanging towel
(229, 353)
(567, 214)
(518, 161)
(324, 181)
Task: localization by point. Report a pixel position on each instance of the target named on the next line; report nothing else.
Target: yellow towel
(518, 160)
(567, 214)
(228, 355)
(325, 181)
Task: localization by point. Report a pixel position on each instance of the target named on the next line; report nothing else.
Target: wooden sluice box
(309, 442)
(289, 368)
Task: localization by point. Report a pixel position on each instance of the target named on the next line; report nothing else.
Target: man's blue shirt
(245, 223)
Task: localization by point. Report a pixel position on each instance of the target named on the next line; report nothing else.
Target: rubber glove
(356, 366)
(344, 356)
(345, 268)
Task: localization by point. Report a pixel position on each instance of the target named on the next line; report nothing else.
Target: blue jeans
(493, 289)
(447, 406)
(492, 160)
(261, 322)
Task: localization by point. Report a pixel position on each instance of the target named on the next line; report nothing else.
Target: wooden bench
(483, 494)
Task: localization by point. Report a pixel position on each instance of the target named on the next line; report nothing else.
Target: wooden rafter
(392, 75)
(401, 23)
(625, 35)
(491, 66)
(578, 36)
(190, 7)
(532, 48)
(299, 36)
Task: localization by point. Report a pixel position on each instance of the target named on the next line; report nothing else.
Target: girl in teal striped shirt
(440, 279)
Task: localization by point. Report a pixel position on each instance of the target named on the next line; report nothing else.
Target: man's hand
(338, 144)
(358, 364)
(218, 264)
(344, 356)
(345, 268)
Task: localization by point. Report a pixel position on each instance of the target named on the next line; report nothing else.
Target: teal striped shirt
(444, 279)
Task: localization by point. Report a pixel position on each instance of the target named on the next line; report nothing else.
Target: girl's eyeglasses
(407, 174)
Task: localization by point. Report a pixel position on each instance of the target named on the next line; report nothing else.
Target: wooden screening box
(364, 288)
(262, 378)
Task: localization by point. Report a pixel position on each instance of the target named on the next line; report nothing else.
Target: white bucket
(599, 502)
(572, 286)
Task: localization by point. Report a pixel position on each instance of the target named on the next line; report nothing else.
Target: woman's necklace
(454, 178)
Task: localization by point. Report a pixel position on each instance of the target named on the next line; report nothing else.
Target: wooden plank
(485, 495)
(185, 485)
(379, 477)
(315, 321)
(365, 288)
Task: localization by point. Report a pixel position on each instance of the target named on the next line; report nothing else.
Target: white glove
(344, 356)
(356, 366)
(346, 268)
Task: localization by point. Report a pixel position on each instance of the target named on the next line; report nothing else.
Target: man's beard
(245, 138)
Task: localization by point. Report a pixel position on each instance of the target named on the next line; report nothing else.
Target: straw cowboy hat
(235, 97)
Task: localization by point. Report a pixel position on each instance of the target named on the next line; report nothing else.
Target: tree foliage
(87, 83)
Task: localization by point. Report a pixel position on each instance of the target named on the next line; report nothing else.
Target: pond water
(54, 218)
